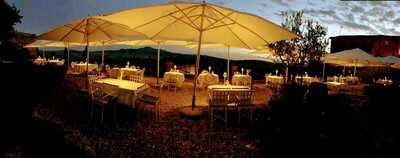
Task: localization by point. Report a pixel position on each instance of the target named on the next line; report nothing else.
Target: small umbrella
(351, 57)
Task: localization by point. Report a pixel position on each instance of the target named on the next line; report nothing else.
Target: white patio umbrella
(351, 57)
(388, 60)
(91, 29)
(396, 66)
(201, 22)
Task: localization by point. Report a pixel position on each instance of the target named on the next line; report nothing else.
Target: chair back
(115, 73)
(136, 78)
(91, 80)
(172, 79)
(219, 98)
(96, 91)
(245, 98)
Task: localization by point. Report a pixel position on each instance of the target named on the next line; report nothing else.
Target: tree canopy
(304, 50)
(10, 16)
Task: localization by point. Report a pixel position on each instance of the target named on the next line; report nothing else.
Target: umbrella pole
(323, 72)
(228, 64)
(198, 58)
(87, 59)
(344, 70)
(102, 56)
(196, 70)
(355, 69)
(158, 61)
(68, 54)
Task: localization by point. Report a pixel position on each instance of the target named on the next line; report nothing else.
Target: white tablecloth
(81, 68)
(180, 77)
(125, 72)
(206, 79)
(127, 90)
(244, 80)
(274, 79)
(384, 81)
(307, 79)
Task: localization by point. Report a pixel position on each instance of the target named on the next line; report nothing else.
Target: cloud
(358, 26)
(390, 14)
(322, 14)
(222, 2)
(283, 2)
(357, 9)
(350, 17)
(396, 21)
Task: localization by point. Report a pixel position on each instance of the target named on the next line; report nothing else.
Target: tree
(10, 16)
(302, 51)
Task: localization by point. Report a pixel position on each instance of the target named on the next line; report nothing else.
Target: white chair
(171, 82)
(244, 104)
(150, 99)
(218, 101)
(102, 95)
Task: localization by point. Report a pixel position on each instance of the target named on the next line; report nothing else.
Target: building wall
(375, 45)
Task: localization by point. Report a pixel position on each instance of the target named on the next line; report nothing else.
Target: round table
(306, 79)
(126, 72)
(274, 79)
(180, 77)
(244, 80)
(206, 79)
(81, 68)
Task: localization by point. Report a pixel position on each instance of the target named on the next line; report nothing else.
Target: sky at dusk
(341, 17)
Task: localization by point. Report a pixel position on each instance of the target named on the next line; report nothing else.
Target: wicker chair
(244, 104)
(218, 101)
(135, 78)
(102, 95)
(91, 81)
(171, 83)
(152, 99)
(114, 73)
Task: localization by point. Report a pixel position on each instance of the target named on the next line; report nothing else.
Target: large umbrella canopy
(91, 29)
(184, 21)
(49, 44)
(201, 22)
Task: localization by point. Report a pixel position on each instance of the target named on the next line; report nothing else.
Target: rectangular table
(127, 90)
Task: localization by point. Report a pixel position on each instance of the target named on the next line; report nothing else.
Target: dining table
(174, 75)
(81, 67)
(241, 79)
(205, 79)
(127, 91)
